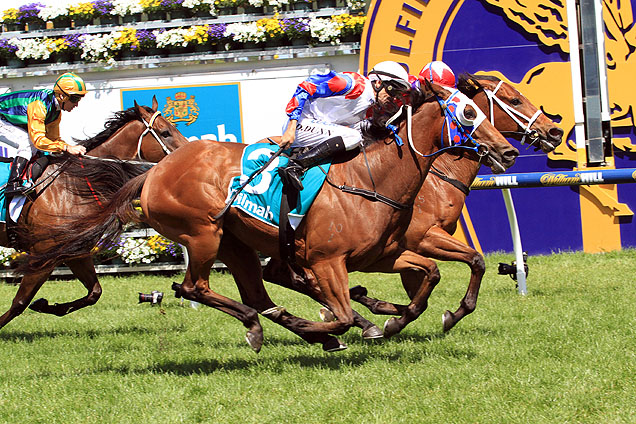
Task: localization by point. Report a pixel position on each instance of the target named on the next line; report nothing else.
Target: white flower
(136, 250)
(171, 38)
(5, 255)
(245, 32)
(53, 11)
(256, 3)
(325, 30)
(96, 48)
(356, 4)
(126, 7)
(31, 48)
(277, 3)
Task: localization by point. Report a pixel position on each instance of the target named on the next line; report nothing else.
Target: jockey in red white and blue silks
(326, 111)
(330, 105)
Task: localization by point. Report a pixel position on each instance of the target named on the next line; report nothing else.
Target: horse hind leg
(29, 286)
(84, 270)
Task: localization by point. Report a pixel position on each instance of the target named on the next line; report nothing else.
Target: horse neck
(463, 168)
(121, 145)
(399, 172)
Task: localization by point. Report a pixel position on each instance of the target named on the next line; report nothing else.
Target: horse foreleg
(202, 252)
(84, 270)
(283, 274)
(244, 264)
(410, 263)
(29, 286)
(438, 244)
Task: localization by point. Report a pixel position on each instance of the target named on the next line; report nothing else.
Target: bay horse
(139, 133)
(439, 203)
(341, 233)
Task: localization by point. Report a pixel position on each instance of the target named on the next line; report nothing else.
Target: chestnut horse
(440, 201)
(137, 133)
(181, 196)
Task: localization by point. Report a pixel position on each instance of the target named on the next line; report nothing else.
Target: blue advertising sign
(211, 112)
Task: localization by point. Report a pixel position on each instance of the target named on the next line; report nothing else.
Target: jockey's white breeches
(310, 133)
(16, 138)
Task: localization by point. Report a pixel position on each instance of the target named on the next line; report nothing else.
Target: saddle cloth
(261, 198)
(17, 202)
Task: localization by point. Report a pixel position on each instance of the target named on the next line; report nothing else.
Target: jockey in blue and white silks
(326, 111)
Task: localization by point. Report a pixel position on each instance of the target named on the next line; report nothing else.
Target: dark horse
(341, 233)
(136, 133)
(439, 204)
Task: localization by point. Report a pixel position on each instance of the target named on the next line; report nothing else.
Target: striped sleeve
(317, 86)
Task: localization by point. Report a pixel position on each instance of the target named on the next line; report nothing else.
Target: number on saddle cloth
(261, 198)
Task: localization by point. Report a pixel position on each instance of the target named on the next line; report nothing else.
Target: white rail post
(516, 241)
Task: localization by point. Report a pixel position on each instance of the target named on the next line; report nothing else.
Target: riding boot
(296, 167)
(14, 184)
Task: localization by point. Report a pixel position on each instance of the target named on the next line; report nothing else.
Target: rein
(373, 195)
(151, 130)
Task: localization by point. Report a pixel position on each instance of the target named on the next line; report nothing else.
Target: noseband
(150, 130)
(533, 135)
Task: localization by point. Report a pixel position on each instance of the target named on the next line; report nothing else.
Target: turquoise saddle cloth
(261, 198)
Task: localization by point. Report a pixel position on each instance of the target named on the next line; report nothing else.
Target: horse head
(139, 132)
(467, 128)
(160, 137)
(512, 112)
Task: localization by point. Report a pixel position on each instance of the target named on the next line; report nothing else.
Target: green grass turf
(565, 353)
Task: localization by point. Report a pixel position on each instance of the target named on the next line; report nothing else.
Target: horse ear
(155, 103)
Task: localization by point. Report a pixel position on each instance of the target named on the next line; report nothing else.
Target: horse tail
(98, 229)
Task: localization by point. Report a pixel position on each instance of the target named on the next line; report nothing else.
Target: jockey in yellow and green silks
(30, 121)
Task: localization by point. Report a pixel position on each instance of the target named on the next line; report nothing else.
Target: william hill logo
(181, 109)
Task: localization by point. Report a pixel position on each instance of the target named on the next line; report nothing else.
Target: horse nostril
(555, 133)
(511, 155)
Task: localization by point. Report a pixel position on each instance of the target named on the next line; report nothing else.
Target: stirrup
(291, 175)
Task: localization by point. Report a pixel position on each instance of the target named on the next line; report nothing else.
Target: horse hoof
(39, 305)
(371, 333)
(333, 345)
(391, 327)
(254, 340)
(326, 315)
(447, 321)
(357, 291)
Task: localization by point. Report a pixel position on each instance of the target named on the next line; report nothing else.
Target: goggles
(75, 98)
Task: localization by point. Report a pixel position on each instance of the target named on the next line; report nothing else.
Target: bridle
(151, 130)
(533, 135)
(450, 117)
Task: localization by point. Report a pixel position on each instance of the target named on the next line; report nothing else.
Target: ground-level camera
(154, 298)
(511, 269)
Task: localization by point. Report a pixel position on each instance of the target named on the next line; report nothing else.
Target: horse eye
(165, 133)
(515, 102)
(470, 114)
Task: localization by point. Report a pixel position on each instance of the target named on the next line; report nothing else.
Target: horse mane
(469, 83)
(112, 125)
(375, 129)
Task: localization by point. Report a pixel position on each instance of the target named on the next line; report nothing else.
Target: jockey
(30, 119)
(326, 111)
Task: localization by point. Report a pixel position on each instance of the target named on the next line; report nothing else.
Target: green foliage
(565, 353)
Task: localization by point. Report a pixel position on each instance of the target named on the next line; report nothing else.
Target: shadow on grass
(33, 336)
